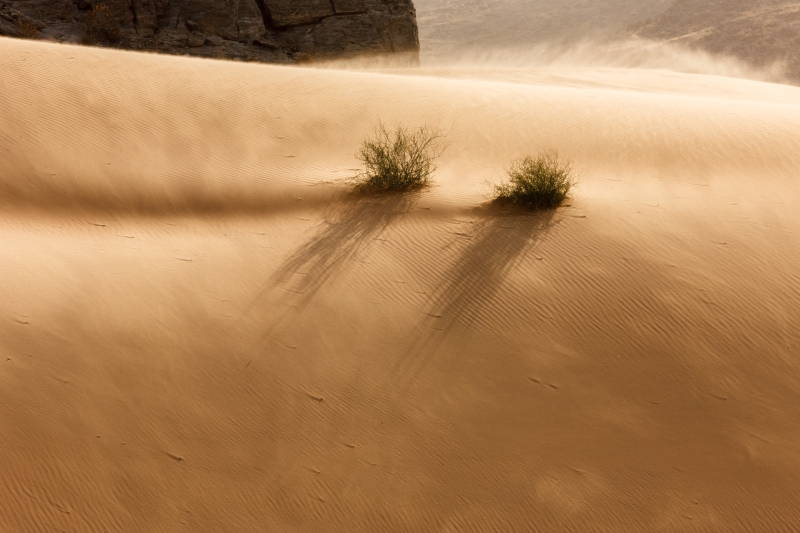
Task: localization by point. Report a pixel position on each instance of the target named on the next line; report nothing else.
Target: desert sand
(202, 329)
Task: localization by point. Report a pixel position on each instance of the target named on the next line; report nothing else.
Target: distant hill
(760, 32)
(450, 24)
(757, 31)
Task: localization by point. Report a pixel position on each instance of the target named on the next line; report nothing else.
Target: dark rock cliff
(256, 30)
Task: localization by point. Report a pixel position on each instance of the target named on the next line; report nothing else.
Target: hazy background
(445, 24)
(763, 33)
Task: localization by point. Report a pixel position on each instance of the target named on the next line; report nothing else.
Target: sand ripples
(201, 329)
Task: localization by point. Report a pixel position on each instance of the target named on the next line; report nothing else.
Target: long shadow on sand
(349, 227)
(500, 241)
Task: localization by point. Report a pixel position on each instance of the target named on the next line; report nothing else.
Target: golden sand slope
(200, 331)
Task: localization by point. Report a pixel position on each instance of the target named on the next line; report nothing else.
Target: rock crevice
(257, 30)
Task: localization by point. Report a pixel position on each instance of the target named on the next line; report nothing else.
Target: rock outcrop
(255, 30)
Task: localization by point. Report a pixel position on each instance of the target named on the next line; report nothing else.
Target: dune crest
(162, 134)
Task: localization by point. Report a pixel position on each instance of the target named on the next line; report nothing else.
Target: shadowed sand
(202, 330)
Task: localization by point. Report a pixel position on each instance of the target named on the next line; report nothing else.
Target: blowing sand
(201, 330)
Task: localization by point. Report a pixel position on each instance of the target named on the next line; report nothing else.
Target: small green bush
(399, 161)
(543, 181)
(101, 26)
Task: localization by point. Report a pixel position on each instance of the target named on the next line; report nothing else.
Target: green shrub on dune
(399, 161)
(537, 182)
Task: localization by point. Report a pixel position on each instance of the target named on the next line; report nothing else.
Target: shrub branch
(543, 181)
(402, 160)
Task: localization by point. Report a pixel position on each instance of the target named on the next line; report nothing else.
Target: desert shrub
(402, 160)
(543, 181)
(101, 26)
(28, 30)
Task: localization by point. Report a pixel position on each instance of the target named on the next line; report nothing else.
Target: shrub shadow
(348, 228)
(500, 241)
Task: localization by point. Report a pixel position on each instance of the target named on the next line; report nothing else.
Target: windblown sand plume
(764, 34)
(201, 329)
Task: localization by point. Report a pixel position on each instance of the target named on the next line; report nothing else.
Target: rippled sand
(201, 329)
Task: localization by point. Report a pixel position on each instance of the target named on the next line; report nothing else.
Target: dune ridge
(157, 152)
(201, 329)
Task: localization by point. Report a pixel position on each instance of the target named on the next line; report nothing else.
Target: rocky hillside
(449, 25)
(258, 30)
(759, 31)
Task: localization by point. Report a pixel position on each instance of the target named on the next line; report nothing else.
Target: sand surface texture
(201, 330)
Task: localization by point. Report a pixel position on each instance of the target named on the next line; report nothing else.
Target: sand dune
(202, 330)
